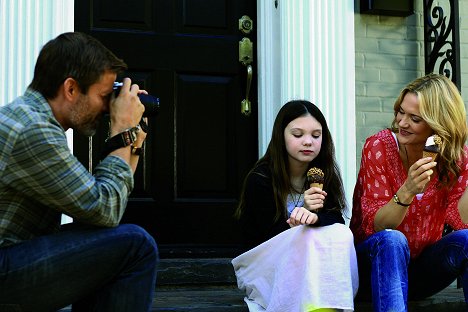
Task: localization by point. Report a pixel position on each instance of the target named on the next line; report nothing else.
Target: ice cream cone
(431, 148)
(430, 154)
(319, 185)
(315, 177)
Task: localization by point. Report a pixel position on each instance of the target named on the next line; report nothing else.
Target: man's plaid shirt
(40, 178)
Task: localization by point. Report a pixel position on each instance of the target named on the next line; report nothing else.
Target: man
(95, 263)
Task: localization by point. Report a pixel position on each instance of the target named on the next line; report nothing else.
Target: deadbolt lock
(245, 24)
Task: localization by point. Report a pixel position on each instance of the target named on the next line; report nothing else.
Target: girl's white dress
(301, 269)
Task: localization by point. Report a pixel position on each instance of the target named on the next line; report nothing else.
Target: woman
(302, 256)
(402, 200)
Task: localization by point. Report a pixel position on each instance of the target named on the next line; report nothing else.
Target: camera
(151, 103)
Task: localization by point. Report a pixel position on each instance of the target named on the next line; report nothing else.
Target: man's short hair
(73, 55)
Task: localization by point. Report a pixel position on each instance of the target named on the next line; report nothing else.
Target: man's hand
(126, 110)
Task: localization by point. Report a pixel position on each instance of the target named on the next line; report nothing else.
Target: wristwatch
(124, 138)
(137, 150)
(397, 201)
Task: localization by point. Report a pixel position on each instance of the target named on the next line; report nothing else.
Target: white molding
(25, 26)
(269, 70)
(306, 51)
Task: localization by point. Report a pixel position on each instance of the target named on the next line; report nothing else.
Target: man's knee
(142, 238)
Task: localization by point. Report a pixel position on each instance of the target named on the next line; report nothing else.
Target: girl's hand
(300, 216)
(314, 199)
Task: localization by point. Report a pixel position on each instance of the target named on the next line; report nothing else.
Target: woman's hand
(391, 215)
(419, 174)
(300, 216)
(314, 198)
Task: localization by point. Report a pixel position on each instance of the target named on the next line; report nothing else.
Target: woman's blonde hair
(442, 107)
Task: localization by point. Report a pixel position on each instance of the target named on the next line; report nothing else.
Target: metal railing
(442, 39)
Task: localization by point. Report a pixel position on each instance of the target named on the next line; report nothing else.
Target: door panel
(200, 146)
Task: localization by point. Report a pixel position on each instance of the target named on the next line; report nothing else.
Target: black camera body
(151, 103)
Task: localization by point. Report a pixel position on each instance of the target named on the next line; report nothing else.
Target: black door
(200, 146)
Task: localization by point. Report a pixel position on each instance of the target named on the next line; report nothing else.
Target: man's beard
(81, 120)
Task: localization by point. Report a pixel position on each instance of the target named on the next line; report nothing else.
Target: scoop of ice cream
(432, 144)
(315, 175)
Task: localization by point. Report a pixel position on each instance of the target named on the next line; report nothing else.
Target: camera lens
(151, 103)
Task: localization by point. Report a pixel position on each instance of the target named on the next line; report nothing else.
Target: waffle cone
(319, 185)
(430, 154)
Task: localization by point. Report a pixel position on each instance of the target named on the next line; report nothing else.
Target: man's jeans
(387, 273)
(96, 269)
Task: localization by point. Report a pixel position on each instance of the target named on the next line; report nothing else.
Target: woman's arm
(462, 204)
(463, 207)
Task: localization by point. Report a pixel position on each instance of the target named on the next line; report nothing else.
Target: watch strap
(396, 199)
(123, 139)
(137, 150)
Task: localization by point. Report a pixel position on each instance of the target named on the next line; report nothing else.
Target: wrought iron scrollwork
(441, 39)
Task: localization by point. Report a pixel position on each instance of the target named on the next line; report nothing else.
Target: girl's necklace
(299, 195)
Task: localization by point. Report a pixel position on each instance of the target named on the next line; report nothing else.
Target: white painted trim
(306, 51)
(269, 70)
(25, 26)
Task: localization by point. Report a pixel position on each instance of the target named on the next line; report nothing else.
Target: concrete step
(229, 298)
(197, 285)
(197, 271)
(450, 299)
(209, 285)
(199, 299)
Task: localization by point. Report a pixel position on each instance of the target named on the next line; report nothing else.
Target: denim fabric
(390, 277)
(95, 269)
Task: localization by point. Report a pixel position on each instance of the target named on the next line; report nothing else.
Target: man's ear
(70, 89)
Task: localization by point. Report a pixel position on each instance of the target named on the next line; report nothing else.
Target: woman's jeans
(387, 273)
(95, 269)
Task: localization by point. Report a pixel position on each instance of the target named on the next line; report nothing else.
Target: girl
(301, 255)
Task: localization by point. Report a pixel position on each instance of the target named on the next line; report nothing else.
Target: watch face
(129, 136)
(133, 133)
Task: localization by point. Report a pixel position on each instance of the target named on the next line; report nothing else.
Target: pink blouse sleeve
(452, 216)
(375, 184)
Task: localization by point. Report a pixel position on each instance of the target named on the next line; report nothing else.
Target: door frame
(306, 51)
(269, 60)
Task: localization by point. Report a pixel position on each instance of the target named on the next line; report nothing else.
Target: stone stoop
(199, 299)
(201, 285)
(209, 285)
(450, 299)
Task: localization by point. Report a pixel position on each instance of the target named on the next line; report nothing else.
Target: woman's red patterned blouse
(382, 174)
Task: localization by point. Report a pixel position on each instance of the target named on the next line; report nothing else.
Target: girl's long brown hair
(276, 157)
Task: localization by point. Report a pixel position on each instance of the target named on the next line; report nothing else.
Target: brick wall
(464, 49)
(389, 54)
